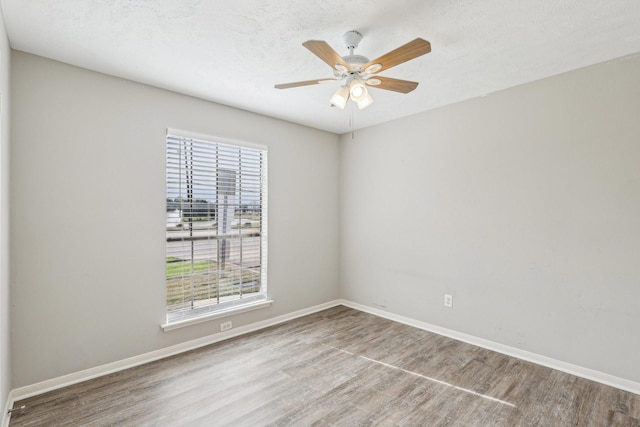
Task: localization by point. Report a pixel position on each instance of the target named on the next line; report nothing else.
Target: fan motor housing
(356, 61)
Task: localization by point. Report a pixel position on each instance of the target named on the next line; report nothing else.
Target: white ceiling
(233, 52)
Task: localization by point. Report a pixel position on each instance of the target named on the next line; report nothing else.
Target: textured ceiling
(233, 52)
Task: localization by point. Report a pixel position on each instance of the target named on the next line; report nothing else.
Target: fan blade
(402, 54)
(304, 83)
(396, 85)
(322, 50)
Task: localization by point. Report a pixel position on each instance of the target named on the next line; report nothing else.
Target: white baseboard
(98, 371)
(87, 374)
(579, 371)
(6, 415)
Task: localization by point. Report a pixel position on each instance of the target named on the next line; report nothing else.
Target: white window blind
(216, 226)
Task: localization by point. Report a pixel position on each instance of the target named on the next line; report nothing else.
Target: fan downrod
(352, 40)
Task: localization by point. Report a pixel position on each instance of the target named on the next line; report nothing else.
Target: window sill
(216, 315)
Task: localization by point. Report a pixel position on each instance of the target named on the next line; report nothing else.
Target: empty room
(275, 213)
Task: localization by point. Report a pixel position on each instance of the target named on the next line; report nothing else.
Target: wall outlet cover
(448, 300)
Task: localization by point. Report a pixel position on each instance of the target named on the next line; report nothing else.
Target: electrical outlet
(226, 326)
(448, 300)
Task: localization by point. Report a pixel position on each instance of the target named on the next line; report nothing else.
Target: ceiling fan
(358, 72)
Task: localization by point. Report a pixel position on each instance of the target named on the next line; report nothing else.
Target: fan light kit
(356, 71)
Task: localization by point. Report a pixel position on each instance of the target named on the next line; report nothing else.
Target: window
(216, 226)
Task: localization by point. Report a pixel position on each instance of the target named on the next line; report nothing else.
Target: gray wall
(5, 366)
(524, 205)
(88, 215)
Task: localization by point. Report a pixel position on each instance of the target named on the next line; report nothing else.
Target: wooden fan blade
(402, 54)
(304, 83)
(396, 85)
(322, 50)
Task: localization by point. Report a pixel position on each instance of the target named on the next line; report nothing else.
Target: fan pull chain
(351, 124)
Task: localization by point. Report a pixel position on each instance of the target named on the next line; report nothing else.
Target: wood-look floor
(338, 367)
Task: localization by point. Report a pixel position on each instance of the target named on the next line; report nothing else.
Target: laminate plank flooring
(338, 367)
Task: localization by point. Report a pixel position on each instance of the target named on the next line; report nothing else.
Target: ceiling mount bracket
(352, 39)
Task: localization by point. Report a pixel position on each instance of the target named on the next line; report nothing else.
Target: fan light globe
(358, 91)
(339, 99)
(368, 100)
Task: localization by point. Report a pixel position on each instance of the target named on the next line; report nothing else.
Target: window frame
(256, 300)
